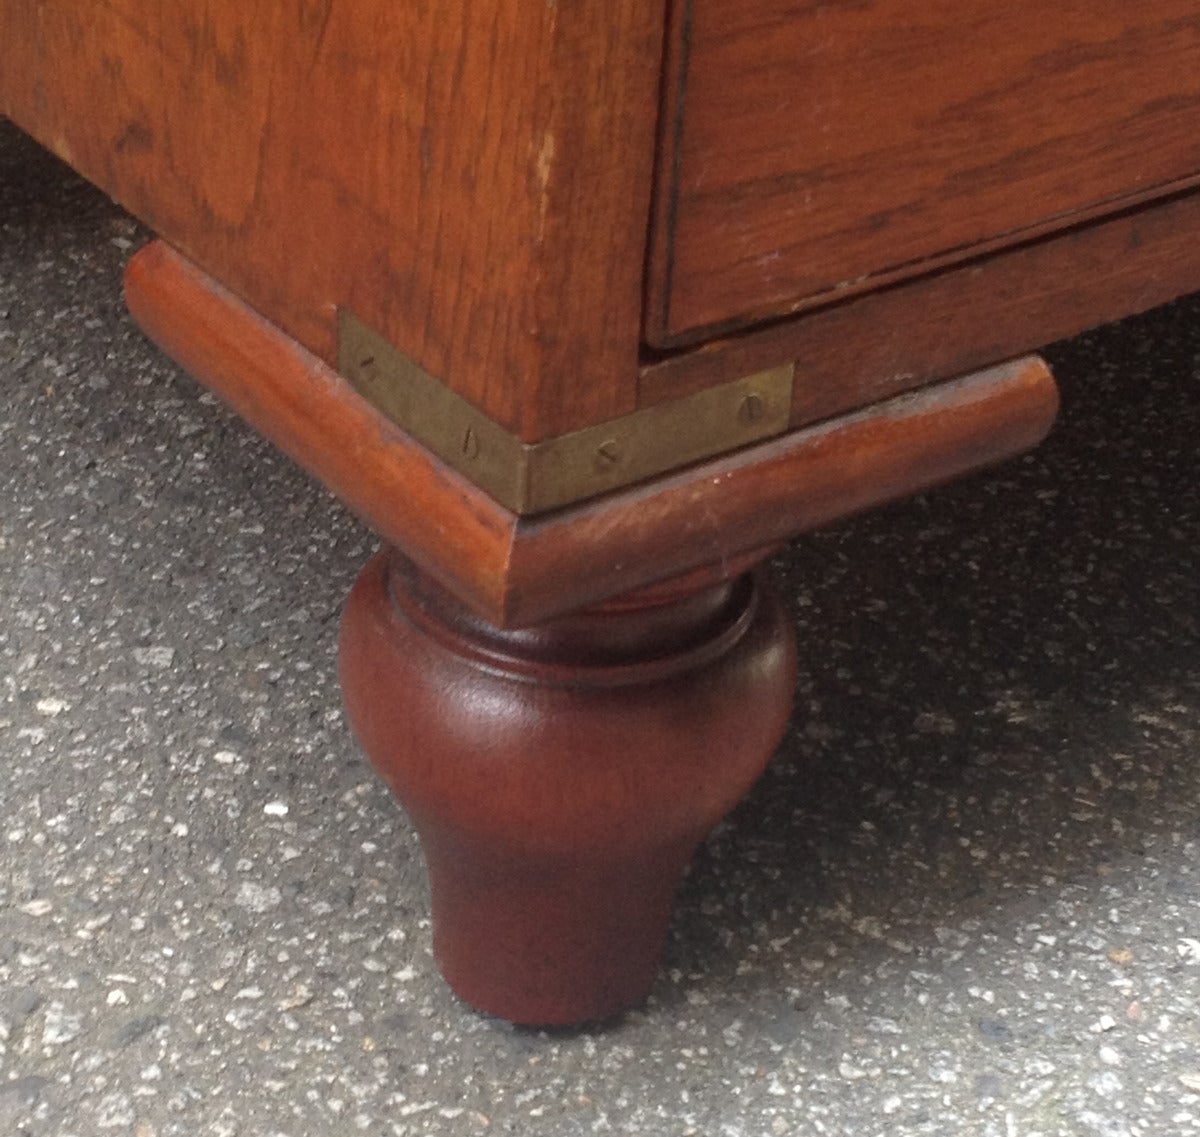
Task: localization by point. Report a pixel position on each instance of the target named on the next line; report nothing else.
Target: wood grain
(517, 572)
(315, 417)
(472, 180)
(823, 148)
(892, 340)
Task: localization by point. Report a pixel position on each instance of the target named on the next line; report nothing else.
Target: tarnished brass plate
(533, 478)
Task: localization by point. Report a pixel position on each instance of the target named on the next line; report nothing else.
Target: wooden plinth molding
(561, 777)
(525, 570)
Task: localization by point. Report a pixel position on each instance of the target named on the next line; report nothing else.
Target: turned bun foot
(561, 777)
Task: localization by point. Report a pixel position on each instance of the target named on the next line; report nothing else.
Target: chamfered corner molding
(536, 477)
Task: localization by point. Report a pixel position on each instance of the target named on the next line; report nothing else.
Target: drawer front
(812, 150)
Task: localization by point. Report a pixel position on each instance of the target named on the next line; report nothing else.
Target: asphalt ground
(964, 900)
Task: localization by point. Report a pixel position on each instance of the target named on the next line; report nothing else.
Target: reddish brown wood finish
(517, 571)
(795, 484)
(561, 778)
(878, 345)
(816, 149)
(472, 179)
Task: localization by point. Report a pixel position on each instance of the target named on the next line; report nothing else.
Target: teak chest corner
(585, 307)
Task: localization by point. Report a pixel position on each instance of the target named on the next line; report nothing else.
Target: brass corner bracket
(535, 477)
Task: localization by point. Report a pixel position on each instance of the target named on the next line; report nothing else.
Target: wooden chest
(571, 299)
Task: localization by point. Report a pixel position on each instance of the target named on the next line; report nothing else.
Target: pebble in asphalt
(964, 900)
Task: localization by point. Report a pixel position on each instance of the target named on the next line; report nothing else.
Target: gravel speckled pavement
(965, 900)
